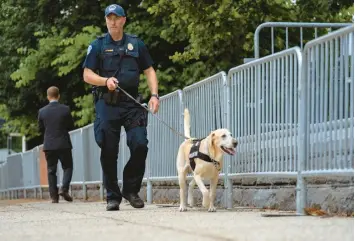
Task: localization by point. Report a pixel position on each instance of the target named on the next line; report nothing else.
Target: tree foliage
(45, 43)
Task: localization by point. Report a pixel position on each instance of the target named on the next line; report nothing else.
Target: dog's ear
(211, 144)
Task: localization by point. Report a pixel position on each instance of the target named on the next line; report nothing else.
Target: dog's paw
(212, 209)
(182, 208)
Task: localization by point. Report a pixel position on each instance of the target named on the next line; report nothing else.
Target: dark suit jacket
(55, 121)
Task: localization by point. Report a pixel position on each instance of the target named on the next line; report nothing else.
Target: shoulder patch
(89, 49)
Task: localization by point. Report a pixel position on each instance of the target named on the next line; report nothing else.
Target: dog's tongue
(230, 151)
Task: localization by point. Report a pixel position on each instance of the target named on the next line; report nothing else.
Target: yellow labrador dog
(204, 158)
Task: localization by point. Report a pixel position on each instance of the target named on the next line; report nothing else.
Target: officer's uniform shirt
(92, 61)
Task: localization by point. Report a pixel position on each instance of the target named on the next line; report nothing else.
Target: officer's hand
(153, 104)
(112, 83)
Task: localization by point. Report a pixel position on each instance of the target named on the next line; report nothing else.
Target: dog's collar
(195, 153)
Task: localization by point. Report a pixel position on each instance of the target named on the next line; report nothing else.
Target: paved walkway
(89, 221)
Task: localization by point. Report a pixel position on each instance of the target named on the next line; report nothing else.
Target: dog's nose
(235, 143)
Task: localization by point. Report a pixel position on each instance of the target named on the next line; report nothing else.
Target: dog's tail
(187, 123)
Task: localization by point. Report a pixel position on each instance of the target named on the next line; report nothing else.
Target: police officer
(118, 58)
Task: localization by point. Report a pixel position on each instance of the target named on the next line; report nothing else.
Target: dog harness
(195, 153)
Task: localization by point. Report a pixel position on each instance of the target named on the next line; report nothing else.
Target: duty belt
(113, 97)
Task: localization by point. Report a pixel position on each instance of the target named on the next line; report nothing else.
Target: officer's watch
(156, 96)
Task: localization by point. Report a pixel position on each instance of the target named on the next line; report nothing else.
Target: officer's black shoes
(66, 196)
(55, 199)
(133, 199)
(112, 205)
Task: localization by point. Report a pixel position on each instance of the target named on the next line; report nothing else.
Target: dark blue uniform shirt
(92, 61)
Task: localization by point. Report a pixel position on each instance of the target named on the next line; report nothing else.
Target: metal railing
(284, 26)
(328, 80)
(292, 113)
(263, 113)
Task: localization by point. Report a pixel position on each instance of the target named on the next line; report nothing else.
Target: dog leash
(145, 106)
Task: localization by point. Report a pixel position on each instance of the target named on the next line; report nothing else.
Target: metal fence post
(303, 133)
(149, 184)
(228, 184)
(83, 157)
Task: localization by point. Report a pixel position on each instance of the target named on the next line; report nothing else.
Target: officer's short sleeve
(145, 60)
(91, 60)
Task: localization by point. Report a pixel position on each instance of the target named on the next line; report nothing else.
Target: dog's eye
(224, 136)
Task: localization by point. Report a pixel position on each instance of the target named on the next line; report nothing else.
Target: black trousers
(66, 159)
(107, 135)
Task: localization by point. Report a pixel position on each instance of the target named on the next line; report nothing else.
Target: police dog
(214, 146)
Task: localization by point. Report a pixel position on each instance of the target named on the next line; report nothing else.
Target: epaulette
(101, 36)
(131, 35)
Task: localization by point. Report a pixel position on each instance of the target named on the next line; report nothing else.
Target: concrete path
(89, 221)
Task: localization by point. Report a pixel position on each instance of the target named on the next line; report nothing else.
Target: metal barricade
(285, 28)
(78, 158)
(4, 180)
(14, 166)
(328, 79)
(164, 143)
(207, 104)
(91, 156)
(29, 166)
(264, 114)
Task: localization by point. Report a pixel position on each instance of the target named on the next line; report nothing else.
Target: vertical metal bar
(83, 160)
(295, 112)
(315, 33)
(311, 94)
(341, 119)
(352, 100)
(268, 115)
(250, 125)
(258, 102)
(322, 121)
(272, 40)
(336, 103)
(346, 148)
(245, 122)
(327, 91)
(262, 117)
(303, 130)
(287, 114)
(278, 116)
(286, 37)
(274, 120)
(317, 101)
(249, 103)
(301, 38)
(227, 104)
(283, 130)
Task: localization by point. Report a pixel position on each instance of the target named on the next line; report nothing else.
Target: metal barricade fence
(163, 142)
(91, 156)
(4, 180)
(285, 27)
(30, 169)
(206, 103)
(14, 166)
(328, 77)
(264, 114)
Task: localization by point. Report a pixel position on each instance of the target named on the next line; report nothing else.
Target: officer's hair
(53, 92)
